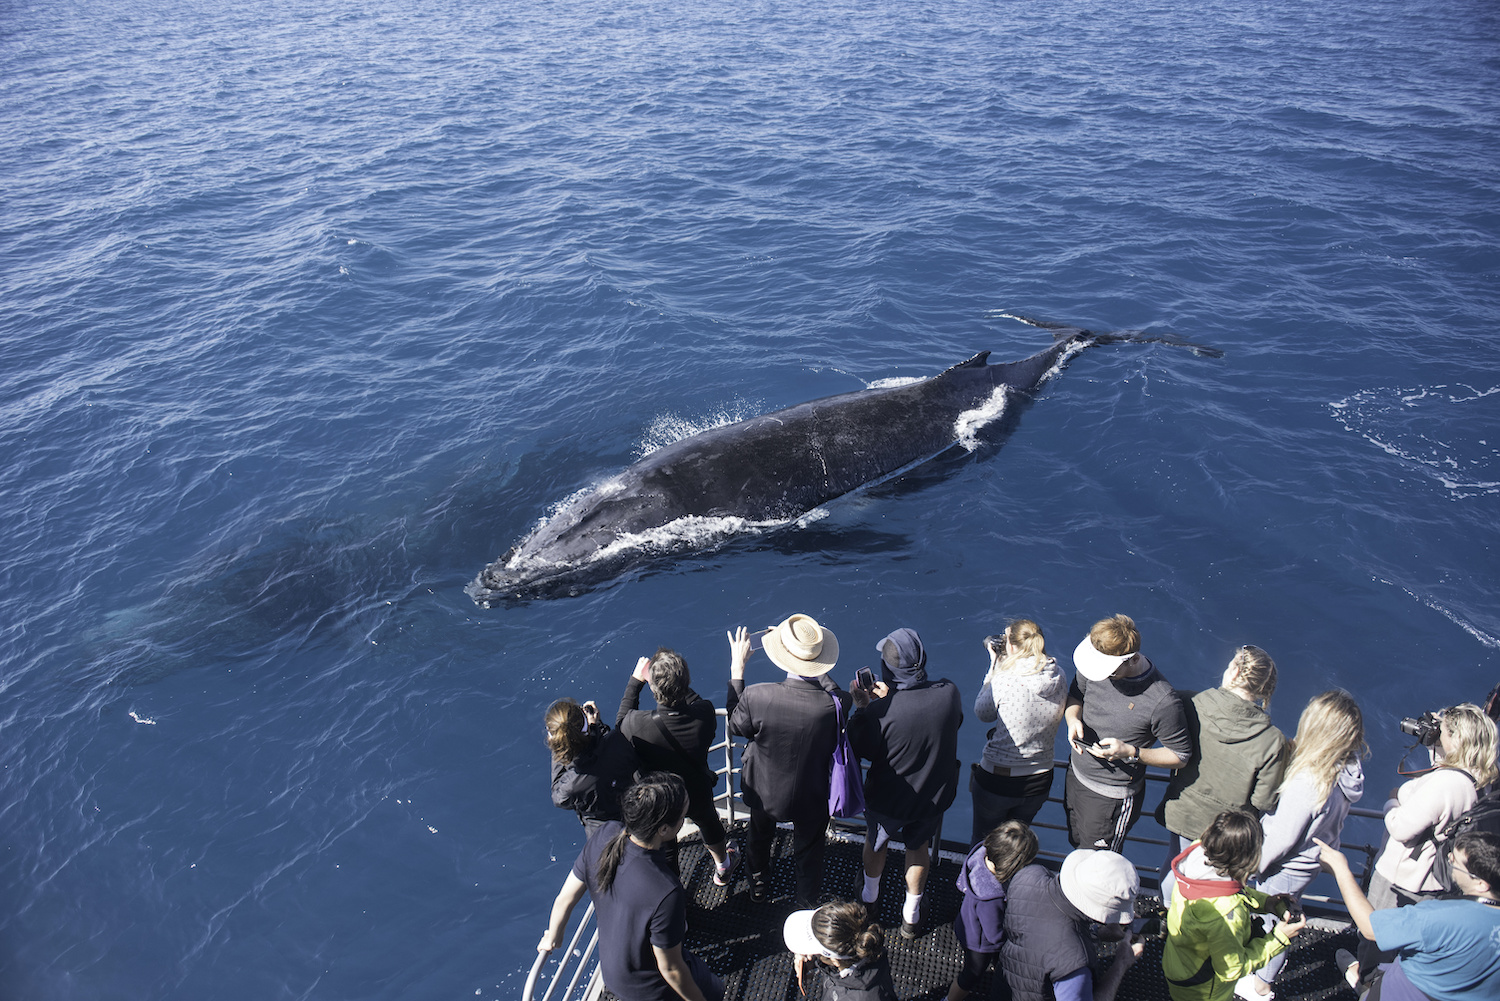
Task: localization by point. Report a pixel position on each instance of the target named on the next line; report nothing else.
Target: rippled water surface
(310, 312)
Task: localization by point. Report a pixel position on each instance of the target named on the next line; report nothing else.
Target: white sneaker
(1348, 966)
(1246, 988)
(722, 871)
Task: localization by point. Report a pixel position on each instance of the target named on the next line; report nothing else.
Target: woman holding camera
(1421, 808)
(1023, 693)
(592, 765)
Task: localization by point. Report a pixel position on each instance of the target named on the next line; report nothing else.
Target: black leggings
(807, 851)
(701, 811)
(975, 963)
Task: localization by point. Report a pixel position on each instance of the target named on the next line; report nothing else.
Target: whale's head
(580, 540)
(500, 584)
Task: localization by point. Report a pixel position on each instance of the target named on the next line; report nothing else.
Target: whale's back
(762, 471)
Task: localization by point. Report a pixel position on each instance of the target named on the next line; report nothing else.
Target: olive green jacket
(1238, 759)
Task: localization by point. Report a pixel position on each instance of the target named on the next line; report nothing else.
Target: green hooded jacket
(1238, 759)
(1210, 932)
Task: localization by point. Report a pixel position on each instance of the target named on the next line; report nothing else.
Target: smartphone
(1148, 927)
(758, 638)
(865, 678)
(1084, 747)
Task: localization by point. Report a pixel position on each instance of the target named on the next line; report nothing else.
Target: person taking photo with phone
(791, 727)
(908, 732)
(676, 738)
(1023, 695)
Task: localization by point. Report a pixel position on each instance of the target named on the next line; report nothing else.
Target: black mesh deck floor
(741, 940)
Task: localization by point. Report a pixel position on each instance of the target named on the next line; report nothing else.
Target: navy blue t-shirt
(646, 906)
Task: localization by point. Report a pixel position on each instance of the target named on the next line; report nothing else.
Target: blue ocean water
(309, 312)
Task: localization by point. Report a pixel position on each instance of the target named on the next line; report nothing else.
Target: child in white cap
(1054, 922)
(845, 947)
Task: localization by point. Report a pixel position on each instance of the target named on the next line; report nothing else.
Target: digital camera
(1427, 728)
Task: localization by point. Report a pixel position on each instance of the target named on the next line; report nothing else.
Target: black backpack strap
(688, 764)
(667, 735)
(1442, 840)
(1458, 822)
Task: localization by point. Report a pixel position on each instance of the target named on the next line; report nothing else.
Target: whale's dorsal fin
(978, 361)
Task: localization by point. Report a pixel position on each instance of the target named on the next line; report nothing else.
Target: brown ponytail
(845, 926)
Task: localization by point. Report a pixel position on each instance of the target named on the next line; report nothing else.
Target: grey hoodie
(1302, 815)
(1237, 763)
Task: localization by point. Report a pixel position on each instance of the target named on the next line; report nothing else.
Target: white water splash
(142, 719)
(1479, 634)
(693, 531)
(1430, 429)
(605, 488)
(895, 381)
(967, 426)
(1067, 355)
(669, 428)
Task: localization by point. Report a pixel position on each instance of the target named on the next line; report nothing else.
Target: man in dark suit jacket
(909, 734)
(792, 728)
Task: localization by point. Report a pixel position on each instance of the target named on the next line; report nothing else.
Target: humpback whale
(771, 469)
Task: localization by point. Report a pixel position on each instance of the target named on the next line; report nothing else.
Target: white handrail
(729, 805)
(727, 798)
(571, 957)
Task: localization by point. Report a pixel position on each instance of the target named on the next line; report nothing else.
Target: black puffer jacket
(865, 982)
(1044, 938)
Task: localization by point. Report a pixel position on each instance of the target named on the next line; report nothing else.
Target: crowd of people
(1254, 818)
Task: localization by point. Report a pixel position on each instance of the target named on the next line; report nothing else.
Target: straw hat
(802, 647)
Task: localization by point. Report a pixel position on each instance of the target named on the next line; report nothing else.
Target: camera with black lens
(1427, 728)
(1150, 920)
(1149, 928)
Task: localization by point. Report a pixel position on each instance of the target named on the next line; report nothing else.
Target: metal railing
(728, 799)
(730, 807)
(572, 964)
(1149, 874)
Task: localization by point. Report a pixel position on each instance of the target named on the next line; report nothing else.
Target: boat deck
(732, 933)
(741, 940)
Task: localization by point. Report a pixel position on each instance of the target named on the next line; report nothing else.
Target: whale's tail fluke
(1065, 331)
(1149, 337)
(1060, 331)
